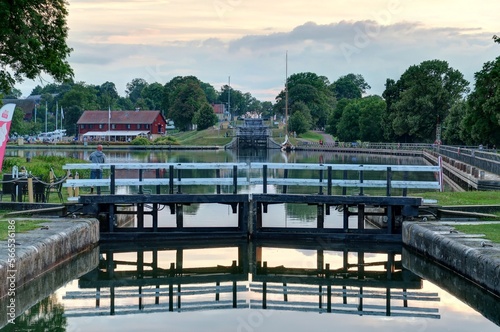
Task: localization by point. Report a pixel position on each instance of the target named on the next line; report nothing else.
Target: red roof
(118, 117)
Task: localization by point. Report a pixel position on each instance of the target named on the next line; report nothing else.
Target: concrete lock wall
(38, 251)
(465, 255)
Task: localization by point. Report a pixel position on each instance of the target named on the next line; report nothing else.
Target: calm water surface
(239, 286)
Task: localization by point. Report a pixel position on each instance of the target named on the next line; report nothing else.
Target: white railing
(243, 174)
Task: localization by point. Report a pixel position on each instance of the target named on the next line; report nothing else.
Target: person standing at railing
(97, 157)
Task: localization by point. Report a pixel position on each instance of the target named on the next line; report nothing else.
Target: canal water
(257, 286)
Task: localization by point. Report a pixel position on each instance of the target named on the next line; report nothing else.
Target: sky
(254, 44)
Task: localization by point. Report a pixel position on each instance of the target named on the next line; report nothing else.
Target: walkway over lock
(148, 186)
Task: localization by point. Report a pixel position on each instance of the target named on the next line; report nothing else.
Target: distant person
(97, 157)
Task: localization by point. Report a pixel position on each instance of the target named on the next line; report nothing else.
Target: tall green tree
(420, 99)
(134, 89)
(107, 95)
(335, 115)
(153, 96)
(452, 129)
(189, 98)
(482, 120)
(311, 89)
(170, 89)
(300, 120)
(205, 117)
(350, 86)
(371, 111)
(33, 41)
(348, 126)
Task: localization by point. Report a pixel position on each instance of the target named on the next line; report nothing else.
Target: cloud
(256, 62)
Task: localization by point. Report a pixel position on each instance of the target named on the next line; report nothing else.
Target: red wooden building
(120, 125)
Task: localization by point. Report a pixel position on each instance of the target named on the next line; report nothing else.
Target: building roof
(118, 117)
(27, 105)
(132, 133)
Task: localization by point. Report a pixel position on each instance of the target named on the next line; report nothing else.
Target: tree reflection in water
(46, 315)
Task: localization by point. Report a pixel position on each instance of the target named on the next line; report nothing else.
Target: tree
(300, 120)
(422, 96)
(170, 89)
(482, 119)
(205, 117)
(18, 125)
(134, 89)
(371, 110)
(107, 95)
(33, 41)
(153, 96)
(350, 86)
(14, 94)
(311, 89)
(348, 126)
(335, 116)
(453, 131)
(189, 98)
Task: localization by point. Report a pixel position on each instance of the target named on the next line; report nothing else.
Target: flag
(62, 114)
(6, 113)
(109, 112)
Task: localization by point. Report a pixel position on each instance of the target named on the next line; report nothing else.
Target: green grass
(311, 136)
(492, 231)
(463, 198)
(20, 226)
(207, 137)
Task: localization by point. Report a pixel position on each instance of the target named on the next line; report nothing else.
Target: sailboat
(286, 145)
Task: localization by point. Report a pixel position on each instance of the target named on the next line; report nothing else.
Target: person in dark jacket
(97, 157)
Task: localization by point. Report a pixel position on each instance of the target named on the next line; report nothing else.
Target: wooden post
(76, 188)
(70, 189)
(30, 189)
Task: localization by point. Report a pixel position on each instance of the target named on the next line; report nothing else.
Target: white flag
(62, 114)
(109, 112)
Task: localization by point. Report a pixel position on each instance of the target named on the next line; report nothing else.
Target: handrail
(321, 176)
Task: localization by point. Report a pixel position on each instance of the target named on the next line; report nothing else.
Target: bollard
(77, 189)
(70, 189)
(30, 189)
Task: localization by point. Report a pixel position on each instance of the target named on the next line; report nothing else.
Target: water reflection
(245, 281)
(361, 281)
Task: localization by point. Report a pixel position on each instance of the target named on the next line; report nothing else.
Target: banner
(6, 113)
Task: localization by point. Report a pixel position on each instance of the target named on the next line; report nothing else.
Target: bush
(140, 141)
(166, 140)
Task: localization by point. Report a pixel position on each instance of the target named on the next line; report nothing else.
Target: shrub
(140, 141)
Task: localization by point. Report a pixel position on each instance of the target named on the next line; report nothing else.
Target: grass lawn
(205, 137)
(311, 136)
(20, 226)
(463, 198)
(492, 231)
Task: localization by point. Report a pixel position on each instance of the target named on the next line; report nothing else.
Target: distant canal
(240, 286)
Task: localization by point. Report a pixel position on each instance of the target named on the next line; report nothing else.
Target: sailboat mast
(286, 93)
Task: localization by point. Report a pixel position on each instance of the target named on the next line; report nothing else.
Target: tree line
(429, 102)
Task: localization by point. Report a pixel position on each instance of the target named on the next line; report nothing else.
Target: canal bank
(471, 256)
(27, 256)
